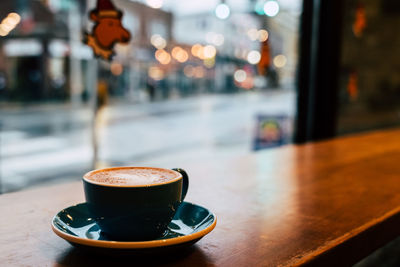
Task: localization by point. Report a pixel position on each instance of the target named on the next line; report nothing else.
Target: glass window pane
(196, 81)
(369, 81)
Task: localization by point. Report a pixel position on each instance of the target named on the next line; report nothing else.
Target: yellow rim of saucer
(134, 245)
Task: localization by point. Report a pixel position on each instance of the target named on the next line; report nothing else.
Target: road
(47, 144)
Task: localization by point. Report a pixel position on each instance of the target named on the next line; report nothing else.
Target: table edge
(354, 245)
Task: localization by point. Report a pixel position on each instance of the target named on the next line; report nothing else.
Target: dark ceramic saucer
(191, 222)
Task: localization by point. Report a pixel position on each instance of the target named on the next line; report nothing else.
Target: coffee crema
(132, 176)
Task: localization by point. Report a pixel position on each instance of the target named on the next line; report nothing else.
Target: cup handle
(185, 181)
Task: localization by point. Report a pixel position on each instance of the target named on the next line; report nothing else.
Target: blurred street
(46, 144)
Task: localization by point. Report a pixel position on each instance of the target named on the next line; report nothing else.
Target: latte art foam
(132, 176)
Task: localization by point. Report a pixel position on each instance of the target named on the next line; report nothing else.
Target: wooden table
(326, 203)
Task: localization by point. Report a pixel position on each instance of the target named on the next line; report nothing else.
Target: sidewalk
(49, 144)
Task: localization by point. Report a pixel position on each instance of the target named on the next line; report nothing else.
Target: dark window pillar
(320, 31)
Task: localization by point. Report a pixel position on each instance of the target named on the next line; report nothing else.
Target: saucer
(190, 223)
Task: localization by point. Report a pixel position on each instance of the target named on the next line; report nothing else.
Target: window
(196, 81)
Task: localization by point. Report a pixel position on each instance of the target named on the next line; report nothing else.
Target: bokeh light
(197, 50)
(179, 54)
(154, 3)
(240, 75)
(222, 11)
(9, 23)
(253, 57)
(209, 51)
(175, 51)
(253, 34)
(162, 56)
(3, 32)
(262, 35)
(158, 42)
(6, 27)
(15, 17)
(271, 8)
(156, 73)
(182, 56)
(279, 61)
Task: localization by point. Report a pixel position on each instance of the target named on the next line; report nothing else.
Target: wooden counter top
(329, 203)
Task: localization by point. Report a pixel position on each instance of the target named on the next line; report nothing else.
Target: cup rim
(86, 175)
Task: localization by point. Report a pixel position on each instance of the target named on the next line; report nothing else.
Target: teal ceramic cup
(134, 212)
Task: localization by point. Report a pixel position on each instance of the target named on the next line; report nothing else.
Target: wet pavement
(48, 144)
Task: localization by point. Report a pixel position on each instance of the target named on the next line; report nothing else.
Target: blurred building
(171, 54)
(25, 62)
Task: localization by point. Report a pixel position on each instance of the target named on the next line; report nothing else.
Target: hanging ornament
(107, 31)
(360, 21)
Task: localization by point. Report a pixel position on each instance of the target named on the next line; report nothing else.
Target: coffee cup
(134, 203)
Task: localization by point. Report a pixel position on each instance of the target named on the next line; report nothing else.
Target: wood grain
(328, 203)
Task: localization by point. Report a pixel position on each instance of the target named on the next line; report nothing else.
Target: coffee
(134, 176)
(134, 203)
